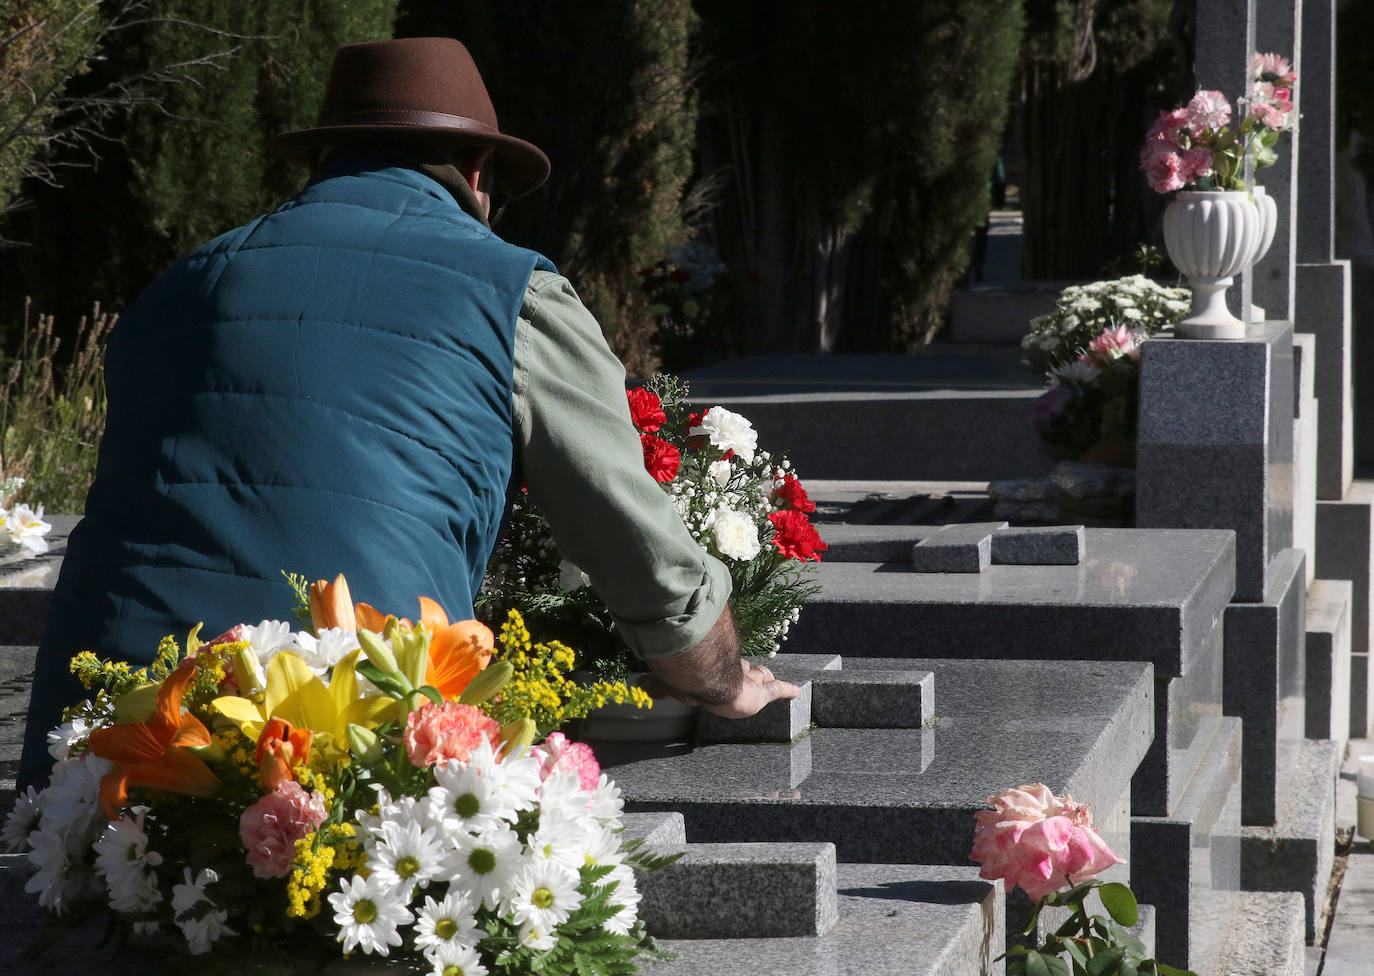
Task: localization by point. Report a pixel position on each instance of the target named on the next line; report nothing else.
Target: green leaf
(1105, 962)
(1120, 902)
(1058, 967)
(1125, 939)
(385, 682)
(1128, 968)
(1076, 951)
(1036, 964)
(1171, 971)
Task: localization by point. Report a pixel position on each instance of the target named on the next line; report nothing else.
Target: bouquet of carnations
(1046, 846)
(21, 526)
(1196, 146)
(1089, 350)
(370, 786)
(742, 505)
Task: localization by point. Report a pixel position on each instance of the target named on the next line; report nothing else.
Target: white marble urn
(1211, 235)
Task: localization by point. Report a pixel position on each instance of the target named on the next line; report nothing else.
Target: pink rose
(1113, 344)
(438, 733)
(558, 753)
(1038, 842)
(270, 828)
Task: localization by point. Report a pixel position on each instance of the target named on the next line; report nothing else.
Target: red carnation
(661, 459)
(793, 495)
(795, 536)
(646, 410)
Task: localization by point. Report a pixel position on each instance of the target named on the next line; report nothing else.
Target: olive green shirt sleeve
(584, 468)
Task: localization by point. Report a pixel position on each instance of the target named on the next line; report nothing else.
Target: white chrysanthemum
(73, 795)
(406, 855)
(267, 638)
(563, 838)
(23, 818)
(62, 874)
(456, 959)
(486, 863)
(320, 653)
(123, 859)
(62, 738)
(626, 895)
(368, 914)
(26, 528)
(451, 922)
(735, 533)
(728, 431)
(544, 894)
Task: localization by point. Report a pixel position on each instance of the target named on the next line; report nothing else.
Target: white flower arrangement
(21, 526)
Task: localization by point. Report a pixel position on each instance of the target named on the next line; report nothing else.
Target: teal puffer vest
(324, 390)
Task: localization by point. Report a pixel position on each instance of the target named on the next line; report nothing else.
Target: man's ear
(471, 164)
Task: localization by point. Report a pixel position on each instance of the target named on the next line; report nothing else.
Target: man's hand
(714, 676)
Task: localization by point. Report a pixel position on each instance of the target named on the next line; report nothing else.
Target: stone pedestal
(1323, 309)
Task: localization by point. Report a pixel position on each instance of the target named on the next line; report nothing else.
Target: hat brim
(521, 167)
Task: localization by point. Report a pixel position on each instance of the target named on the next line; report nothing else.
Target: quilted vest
(324, 390)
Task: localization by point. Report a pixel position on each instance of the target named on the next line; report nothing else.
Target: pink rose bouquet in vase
(275, 801)
(1219, 223)
(1046, 846)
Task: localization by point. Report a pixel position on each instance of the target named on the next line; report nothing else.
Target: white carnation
(729, 432)
(735, 533)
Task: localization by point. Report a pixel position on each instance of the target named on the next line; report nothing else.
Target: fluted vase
(1210, 235)
(1269, 221)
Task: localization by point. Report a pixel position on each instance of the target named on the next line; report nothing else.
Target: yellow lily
(296, 695)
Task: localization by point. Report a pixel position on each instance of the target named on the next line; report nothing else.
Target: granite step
(1328, 628)
(909, 919)
(1345, 551)
(1297, 852)
(1263, 934)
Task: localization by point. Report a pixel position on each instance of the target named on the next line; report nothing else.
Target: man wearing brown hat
(356, 383)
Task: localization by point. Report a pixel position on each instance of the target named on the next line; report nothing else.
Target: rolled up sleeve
(584, 468)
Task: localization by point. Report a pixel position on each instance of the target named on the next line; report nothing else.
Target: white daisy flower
(605, 803)
(456, 959)
(401, 809)
(62, 738)
(200, 926)
(485, 792)
(367, 914)
(536, 937)
(451, 922)
(626, 895)
(544, 894)
(405, 856)
(61, 876)
(485, 864)
(73, 794)
(21, 821)
(123, 859)
(563, 838)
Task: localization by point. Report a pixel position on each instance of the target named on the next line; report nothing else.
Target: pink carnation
(1272, 68)
(1208, 110)
(558, 753)
(1194, 164)
(438, 733)
(1164, 170)
(1038, 842)
(270, 828)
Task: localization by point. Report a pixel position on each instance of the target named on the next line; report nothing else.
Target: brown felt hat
(422, 89)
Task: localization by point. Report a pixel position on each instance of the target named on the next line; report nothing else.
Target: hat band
(407, 117)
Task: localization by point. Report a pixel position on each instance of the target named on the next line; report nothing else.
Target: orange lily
(280, 747)
(153, 752)
(331, 605)
(457, 651)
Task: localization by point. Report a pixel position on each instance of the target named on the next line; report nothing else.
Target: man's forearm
(708, 673)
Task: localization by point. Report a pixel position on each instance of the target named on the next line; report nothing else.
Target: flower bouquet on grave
(1089, 350)
(742, 505)
(1046, 846)
(273, 801)
(21, 527)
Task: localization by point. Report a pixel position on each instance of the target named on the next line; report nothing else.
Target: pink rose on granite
(558, 753)
(1038, 842)
(438, 733)
(270, 828)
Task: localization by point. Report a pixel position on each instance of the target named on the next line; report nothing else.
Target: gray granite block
(1194, 852)
(738, 891)
(793, 663)
(1323, 308)
(1305, 487)
(1262, 932)
(661, 829)
(1090, 479)
(1327, 690)
(909, 795)
(1215, 445)
(909, 919)
(1315, 138)
(873, 699)
(1265, 671)
(778, 721)
(963, 548)
(1050, 545)
(1345, 550)
(1304, 372)
(871, 543)
(1297, 852)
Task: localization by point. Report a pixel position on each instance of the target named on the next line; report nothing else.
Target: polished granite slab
(908, 795)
